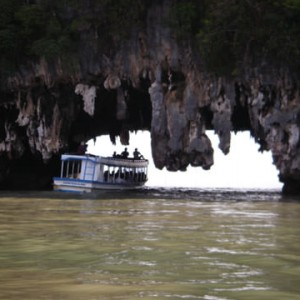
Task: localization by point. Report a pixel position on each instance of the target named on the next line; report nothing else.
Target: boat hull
(86, 186)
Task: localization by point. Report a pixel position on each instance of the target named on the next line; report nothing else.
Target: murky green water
(209, 246)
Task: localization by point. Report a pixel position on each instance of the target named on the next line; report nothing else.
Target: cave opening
(244, 166)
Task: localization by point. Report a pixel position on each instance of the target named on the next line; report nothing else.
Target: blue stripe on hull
(78, 185)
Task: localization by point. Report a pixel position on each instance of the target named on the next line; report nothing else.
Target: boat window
(71, 168)
(122, 173)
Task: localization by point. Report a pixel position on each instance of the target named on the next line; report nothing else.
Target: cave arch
(244, 167)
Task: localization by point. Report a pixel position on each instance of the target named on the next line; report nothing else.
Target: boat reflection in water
(87, 173)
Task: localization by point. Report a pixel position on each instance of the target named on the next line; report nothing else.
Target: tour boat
(87, 173)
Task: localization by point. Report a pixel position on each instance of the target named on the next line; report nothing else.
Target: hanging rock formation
(151, 82)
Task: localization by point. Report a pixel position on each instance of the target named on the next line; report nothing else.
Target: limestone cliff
(148, 81)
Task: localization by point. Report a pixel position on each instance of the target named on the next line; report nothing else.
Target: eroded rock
(149, 82)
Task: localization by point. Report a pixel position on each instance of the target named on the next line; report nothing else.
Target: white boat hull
(84, 173)
(86, 186)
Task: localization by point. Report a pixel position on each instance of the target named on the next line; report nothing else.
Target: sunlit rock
(88, 94)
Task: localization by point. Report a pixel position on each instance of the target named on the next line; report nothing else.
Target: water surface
(155, 244)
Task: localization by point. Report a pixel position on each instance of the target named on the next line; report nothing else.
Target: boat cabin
(95, 172)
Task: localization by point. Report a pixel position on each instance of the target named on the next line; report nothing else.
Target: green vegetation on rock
(54, 28)
(233, 34)
(228, 34)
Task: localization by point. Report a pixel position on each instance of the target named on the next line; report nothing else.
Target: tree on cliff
(229, 33)
(232, 33)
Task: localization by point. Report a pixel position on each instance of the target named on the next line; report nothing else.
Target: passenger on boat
(106, 175)
(81, 148)
(125, 153)
(136, 154)
(115, 155)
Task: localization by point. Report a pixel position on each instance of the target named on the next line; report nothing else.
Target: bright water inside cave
(243, 167)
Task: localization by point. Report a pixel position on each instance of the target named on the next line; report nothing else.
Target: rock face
(149, 82)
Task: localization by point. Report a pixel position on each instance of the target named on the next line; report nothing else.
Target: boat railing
(125, 162)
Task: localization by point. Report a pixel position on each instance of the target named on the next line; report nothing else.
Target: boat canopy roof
(109, 161)
(80, 157)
